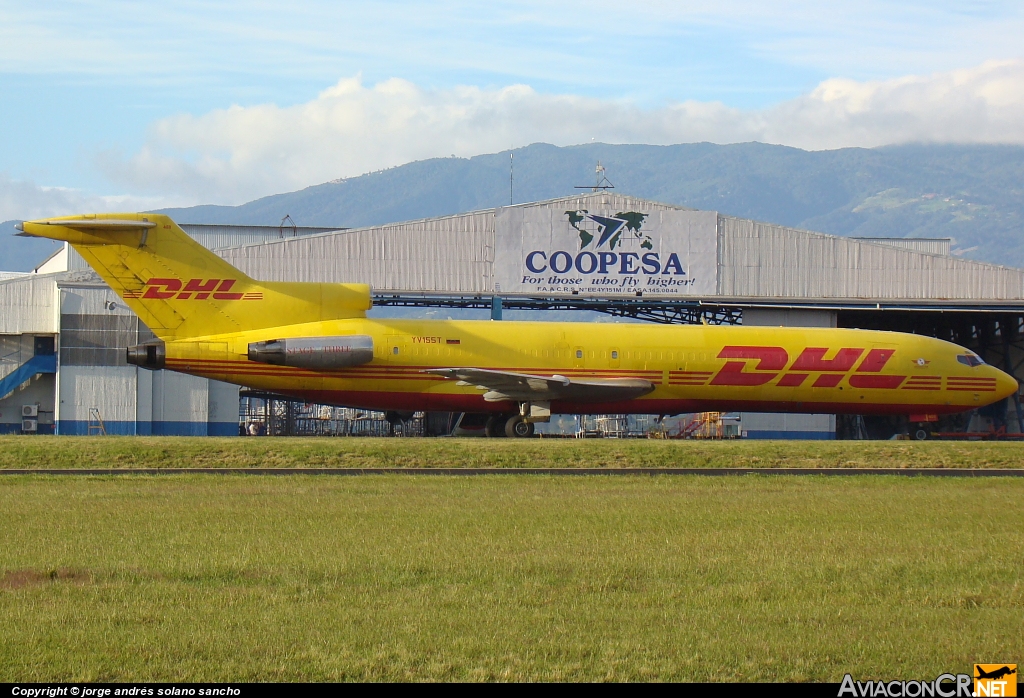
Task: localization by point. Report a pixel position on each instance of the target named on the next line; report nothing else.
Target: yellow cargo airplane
(313, 341)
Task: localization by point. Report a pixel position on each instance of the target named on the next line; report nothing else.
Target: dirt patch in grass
(20, 579)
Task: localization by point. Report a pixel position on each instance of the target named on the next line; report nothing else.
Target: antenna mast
(601, 182)
(287, 220)
(511, 164)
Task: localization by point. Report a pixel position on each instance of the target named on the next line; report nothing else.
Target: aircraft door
(613, 357)
(398, 349)
(578, 357)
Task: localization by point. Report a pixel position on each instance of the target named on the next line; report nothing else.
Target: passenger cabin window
(615, 354)
(579, 353)
(970, 360)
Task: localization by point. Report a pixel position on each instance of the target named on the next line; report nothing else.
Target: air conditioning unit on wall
(29, 426)
(30, 410)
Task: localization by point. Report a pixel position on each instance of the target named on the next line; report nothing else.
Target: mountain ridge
(971, 193)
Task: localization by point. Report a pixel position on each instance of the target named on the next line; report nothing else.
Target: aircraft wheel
(921, 434)
(517, 427)
(495, 426)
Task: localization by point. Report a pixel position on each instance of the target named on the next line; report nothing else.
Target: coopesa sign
(541, 249)
(561, 262)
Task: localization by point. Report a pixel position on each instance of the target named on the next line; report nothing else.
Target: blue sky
(219, 102)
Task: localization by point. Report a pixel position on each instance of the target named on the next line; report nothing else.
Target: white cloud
(236, 154)
(979, 105)
(21, 200)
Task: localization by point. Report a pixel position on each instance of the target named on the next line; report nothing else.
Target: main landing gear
(518, 425)
(514, 426)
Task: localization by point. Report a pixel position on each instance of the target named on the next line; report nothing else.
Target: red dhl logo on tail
(193, 289)
(772, 361)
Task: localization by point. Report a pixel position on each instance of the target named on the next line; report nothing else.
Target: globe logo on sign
(612, 231)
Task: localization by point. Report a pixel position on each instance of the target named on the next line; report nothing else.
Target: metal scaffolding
(267, 414)
(660, 310)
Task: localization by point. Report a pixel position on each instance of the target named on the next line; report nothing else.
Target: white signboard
(605, 252)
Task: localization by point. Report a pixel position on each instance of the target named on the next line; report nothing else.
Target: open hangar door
(997, 337)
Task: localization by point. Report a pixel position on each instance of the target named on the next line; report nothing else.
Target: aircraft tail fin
(180, 289)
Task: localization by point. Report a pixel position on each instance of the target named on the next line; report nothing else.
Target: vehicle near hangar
(313, 341)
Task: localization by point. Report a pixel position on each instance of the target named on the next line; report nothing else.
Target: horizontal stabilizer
(94, 224)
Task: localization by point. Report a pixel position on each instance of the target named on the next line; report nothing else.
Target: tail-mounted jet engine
(317, 353)
(151, 355)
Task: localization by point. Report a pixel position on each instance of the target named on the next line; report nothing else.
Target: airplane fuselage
(692, 368)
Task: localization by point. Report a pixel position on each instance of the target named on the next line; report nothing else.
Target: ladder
(707, 425)
(96, 425)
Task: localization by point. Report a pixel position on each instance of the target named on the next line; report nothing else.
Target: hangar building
(598, 251)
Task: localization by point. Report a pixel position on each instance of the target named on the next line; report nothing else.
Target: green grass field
(206, 452)
(240, 578)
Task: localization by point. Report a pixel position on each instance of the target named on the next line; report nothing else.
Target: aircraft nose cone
(1006, 385)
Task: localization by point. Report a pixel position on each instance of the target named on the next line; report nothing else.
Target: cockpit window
(970, 359)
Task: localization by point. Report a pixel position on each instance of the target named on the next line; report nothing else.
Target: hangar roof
(751, 260)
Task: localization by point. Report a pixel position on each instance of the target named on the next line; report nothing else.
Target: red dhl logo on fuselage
(772, 363)
(193, 289)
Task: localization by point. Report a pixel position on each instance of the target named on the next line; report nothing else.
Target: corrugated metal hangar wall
(777, 275)
(456, 254)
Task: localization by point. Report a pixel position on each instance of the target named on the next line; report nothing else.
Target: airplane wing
(506, 385)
